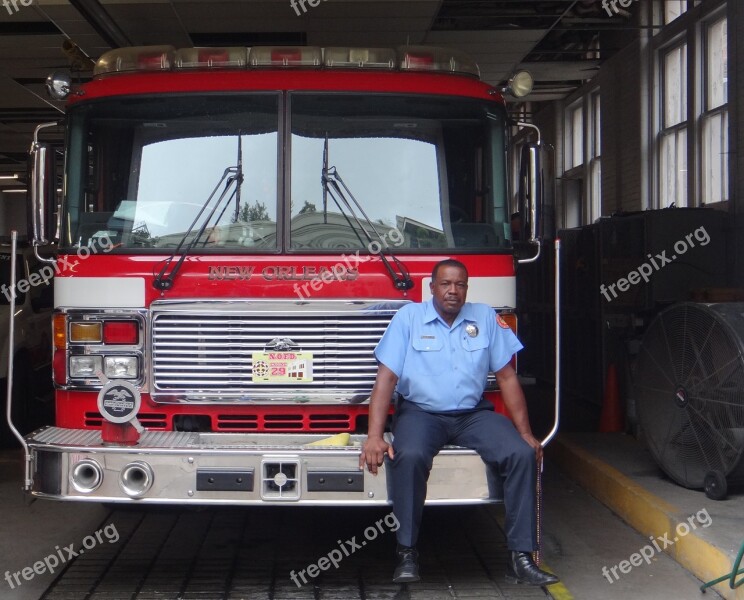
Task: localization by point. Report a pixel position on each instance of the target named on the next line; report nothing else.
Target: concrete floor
(620, 472)
(581, 537)
(233, 553)
(30, 532)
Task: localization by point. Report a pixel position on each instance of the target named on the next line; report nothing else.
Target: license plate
(282, 367)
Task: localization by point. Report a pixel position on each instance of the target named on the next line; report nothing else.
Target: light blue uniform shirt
(441, 367)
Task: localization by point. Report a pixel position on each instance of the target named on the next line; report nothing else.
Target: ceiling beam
(99, 19)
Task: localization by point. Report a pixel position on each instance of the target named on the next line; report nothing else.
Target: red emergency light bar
(167, 58)
(211, 58)
(146, 58)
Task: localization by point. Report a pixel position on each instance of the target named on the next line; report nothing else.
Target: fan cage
(689, 386)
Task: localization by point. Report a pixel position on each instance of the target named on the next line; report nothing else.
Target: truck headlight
(85, 366)
(120, 367)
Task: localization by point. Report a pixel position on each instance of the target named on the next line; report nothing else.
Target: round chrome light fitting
(136, 479)
(86, 476)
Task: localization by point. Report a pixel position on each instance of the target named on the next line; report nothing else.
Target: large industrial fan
(689, 383)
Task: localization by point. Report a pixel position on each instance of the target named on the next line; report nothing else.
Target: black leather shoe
(407, 570)
(522, 569)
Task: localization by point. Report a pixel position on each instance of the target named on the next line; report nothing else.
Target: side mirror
(530, 191)
(40, 194)
(42, 190)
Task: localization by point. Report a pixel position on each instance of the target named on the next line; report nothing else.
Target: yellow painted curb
(645, 512)
(557, 591)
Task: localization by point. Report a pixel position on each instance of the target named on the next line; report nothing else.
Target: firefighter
(436, 355)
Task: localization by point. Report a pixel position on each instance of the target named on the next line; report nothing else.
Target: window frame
(667, 130)
(707, 114)
(584, 178)
(594, 179)
(689, 28)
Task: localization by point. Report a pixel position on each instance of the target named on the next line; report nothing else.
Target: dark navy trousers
(419, 435)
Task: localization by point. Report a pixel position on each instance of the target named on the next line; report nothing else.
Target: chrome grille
(202, 351)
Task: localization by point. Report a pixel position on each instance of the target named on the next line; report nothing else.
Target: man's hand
(374, 447)
(534, 443)
(373, 453)
(513, 397)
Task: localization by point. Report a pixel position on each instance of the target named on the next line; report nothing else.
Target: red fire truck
(238, 227)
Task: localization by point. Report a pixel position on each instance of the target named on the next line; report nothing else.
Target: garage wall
(621, 126)
(12, 214)
(619, 84)
(626, 88)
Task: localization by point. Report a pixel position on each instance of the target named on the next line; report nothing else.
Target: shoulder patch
(503, 324)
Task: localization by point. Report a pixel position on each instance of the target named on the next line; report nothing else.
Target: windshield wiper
(339, 192)
(240, 176)
(236, 194)
(232, 176)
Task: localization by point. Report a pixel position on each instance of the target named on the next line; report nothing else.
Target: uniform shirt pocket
(476, 353)
(427, 344)
(473, 344)
(428, 356)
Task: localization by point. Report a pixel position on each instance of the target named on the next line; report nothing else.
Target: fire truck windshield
(429, 171)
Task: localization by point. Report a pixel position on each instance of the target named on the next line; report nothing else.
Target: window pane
(151, 172)
(596, 114)
(675, 86)
(715, 158)
(169, 196)
(724, 158)
(596, 183)
(673, 169)
(716, 80)
(572, 193)
(673, 9)
(681, 196)
(666, 166)
(420, 172)
(577, 137)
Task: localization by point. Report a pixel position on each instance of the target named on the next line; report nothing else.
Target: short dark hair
(447, 262)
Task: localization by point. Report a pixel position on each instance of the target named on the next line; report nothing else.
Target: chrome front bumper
(227, 468)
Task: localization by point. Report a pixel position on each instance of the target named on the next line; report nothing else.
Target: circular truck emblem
(119, 401)
(261, 368)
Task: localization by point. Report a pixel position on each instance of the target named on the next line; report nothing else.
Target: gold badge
(471, 329)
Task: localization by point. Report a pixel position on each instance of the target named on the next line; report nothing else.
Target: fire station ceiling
(562, 42)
